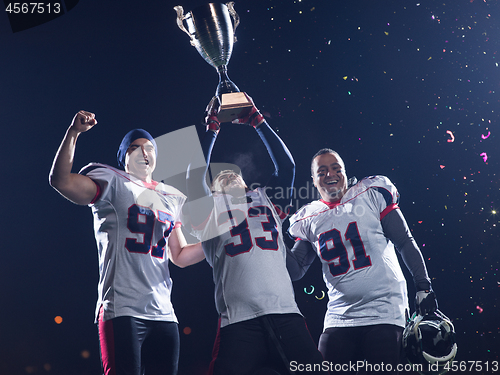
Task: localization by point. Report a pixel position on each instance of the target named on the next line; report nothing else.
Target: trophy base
(232, 106)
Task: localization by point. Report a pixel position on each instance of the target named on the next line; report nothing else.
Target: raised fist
(83, 121)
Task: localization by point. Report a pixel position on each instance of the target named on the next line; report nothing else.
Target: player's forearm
(396, 229)
(279, 187)
(181, 253)
(196, 177)
(60, 173)
(299, 259)
(196, 186)
(189, 255)
(284, 164)
(77, 188)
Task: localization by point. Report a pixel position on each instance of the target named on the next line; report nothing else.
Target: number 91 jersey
(361, 270)
(132, 223)
(243, 242)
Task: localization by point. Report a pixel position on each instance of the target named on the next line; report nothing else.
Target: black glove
(426, 302)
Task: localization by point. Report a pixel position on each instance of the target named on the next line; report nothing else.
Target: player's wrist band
(256, 119)
(213, 126)
(213, 123)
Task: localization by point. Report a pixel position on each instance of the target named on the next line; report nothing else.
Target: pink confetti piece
(485, 157)
(485, 136)
(441, 166)
(479, 308)
(451, 135)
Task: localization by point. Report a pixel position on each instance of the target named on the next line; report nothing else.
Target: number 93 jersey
(243, 242)
(132, 223)
(361, 270)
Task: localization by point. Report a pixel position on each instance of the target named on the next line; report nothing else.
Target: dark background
(381, 82)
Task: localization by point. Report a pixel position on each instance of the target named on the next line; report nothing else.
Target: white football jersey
(361, 270)
(132, 223)
(243, 242)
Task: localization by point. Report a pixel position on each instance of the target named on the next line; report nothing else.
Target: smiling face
(140, 160)
(229, 182)
(329, 177)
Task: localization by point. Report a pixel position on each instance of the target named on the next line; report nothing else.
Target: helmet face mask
(429, 341)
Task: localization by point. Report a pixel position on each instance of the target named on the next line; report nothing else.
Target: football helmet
(429, 341)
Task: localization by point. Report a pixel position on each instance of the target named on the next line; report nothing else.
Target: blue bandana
(128, 139)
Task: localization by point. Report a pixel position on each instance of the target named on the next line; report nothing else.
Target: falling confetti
(311, 292)
(451, 135)
(322, 295)
(450, 84)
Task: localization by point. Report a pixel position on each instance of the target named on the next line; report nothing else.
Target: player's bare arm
(181, 253)
(74, 187)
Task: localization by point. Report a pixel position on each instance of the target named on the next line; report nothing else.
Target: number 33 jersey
(243, 242)
(132, 223)
(361, 270)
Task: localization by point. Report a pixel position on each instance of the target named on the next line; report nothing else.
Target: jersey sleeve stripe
(280, 213)
(97, 194)
(386, 194)
(388, 209)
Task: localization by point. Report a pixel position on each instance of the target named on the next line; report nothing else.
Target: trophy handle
(180, 21)
(234, 15)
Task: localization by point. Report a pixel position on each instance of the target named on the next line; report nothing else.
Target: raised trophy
(211, 30)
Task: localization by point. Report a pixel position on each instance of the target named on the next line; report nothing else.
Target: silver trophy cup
(211, 30)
